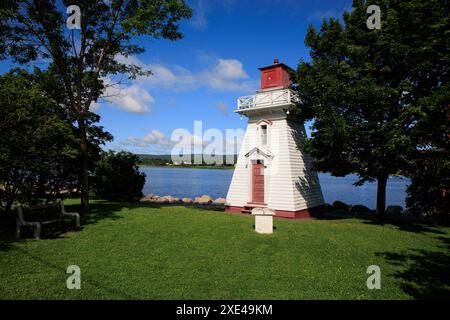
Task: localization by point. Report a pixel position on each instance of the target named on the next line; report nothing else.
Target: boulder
(164, 199)
(340, 206)
(174, 200)
(203, 200)
(220, 202)
(392, 210)
(359, 209)
(170, 199)
(150, 198)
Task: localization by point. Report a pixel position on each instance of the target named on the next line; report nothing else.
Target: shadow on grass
(425, 273)
(99, 210)
(7, 227)
(5, 243)
(402, 223)
(103, 210)
(408, 226)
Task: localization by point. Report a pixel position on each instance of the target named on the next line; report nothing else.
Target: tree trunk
(10, 197)
(40, 193)
(381, 195)
(8, 206)
(84, 178)
(84, 185)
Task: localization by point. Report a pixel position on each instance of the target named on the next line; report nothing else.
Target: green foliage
(154, 160)
(80, 61)
(429, 192)
(117, 177)
(38, 150)
(367, 90)
(166, 160)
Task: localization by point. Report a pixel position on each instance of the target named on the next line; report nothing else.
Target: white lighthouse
(272, 171)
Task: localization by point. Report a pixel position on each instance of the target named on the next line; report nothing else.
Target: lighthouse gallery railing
(268, 99)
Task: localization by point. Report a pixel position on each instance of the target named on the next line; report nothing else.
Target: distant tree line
(166, 160)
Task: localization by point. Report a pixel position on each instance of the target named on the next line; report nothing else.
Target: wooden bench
(42, 216)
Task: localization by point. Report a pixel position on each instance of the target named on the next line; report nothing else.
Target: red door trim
(258, 185)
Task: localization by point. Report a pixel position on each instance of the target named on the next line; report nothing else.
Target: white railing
(268, 99)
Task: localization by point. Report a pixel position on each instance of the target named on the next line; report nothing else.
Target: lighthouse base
(308, 213)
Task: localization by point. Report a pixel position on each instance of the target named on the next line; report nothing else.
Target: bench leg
(37, 231)
(77, 221)
(18, 232)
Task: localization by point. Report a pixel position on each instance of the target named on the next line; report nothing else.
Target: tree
(83, 60)
(429, 192)
(117, 177)
(366, 89)
(38, 150)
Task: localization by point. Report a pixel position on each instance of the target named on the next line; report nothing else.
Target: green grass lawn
(142, 252)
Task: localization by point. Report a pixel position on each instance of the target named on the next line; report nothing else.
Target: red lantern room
(274, 76)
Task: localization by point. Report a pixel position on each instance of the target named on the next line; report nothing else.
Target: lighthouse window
(264, 135)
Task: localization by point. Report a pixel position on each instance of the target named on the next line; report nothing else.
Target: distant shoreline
(230, 168)
(187, 167)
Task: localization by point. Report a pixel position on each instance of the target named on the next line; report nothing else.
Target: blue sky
(201, 76)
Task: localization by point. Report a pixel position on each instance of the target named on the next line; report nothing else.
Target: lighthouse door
(258, 182)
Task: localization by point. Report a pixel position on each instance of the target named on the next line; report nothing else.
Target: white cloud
(170, 78)
(129, 60)
(222, 107)
(227, 75)
(95, 107)
(133, 98)
(154, 138)
(172, 102)
(223, 75)
(157, 142)
(182, 140)
(230, 69)
(199, 19)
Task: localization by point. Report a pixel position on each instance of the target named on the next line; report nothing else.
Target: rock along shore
(203, 201)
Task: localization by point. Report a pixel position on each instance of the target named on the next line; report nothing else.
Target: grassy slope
(134, 252)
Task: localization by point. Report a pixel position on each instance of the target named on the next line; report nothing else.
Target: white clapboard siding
(307, 191)
(281, 188)
(238, 193)
(291, 184)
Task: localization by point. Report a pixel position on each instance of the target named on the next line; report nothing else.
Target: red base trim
(234, 209)
(301, 214)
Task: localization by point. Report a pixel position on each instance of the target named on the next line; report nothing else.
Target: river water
(187, 182)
